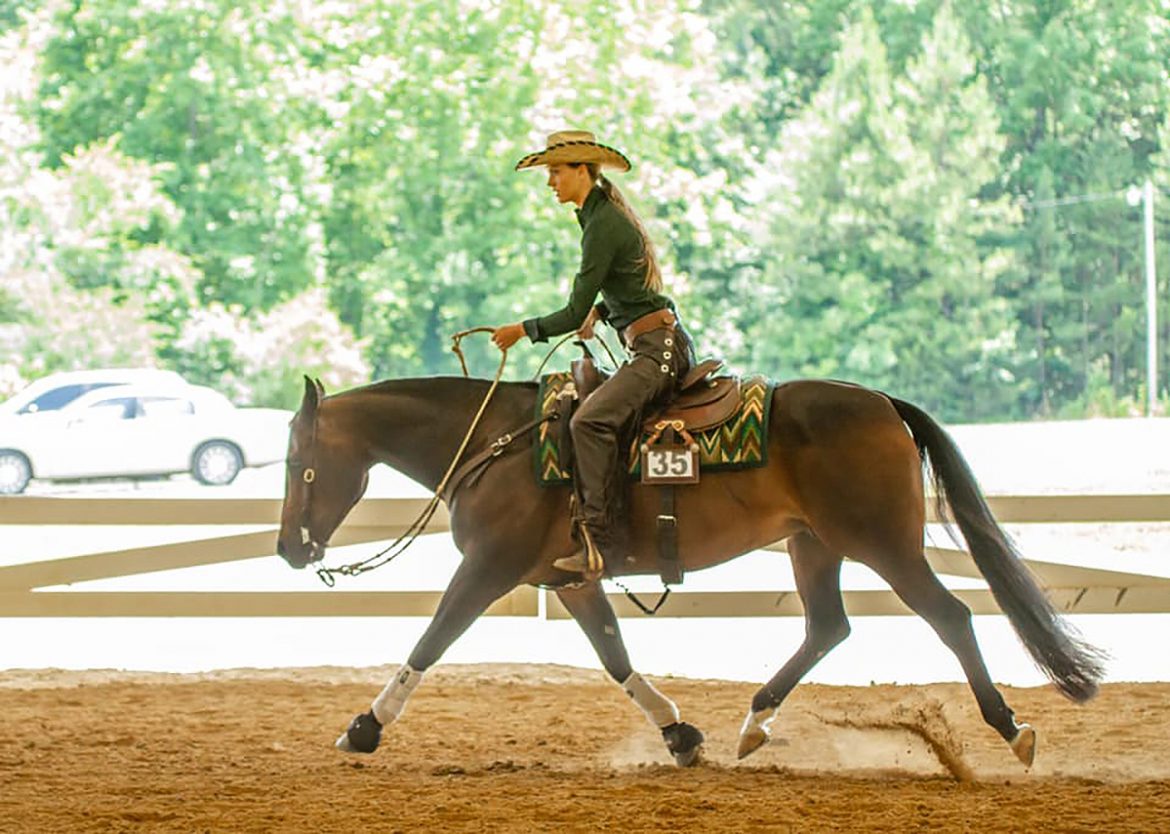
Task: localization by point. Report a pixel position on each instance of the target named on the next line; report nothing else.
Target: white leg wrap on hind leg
(658, 708)
(390, 701)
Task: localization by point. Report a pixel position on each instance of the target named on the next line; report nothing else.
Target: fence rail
(1072, 588)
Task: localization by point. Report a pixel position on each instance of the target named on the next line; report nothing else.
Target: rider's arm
(597, 253)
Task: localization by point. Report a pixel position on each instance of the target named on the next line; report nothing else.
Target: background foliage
(924, 197)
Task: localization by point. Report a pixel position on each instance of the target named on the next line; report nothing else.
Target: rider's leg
(604, 420)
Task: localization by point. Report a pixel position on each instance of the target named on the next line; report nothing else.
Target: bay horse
(844, 477)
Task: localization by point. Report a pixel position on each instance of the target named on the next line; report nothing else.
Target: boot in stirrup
(587, 561)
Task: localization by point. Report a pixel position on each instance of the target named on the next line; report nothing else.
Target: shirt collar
(596, 197)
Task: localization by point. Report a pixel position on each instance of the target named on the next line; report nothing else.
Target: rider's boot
(588, 561)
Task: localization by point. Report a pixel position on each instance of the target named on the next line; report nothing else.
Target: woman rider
(617, 263)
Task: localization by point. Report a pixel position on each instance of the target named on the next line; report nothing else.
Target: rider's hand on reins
(507, 335)
(585, 331)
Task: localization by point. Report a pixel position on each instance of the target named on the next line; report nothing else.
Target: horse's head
(326, 473)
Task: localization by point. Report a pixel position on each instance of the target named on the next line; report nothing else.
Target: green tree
(1080, 90)
(368, 149)
(831, 184)
(79, 288)
(262, 359)
(877, 269)
(13, 12)
(211, 90)
(429, 231)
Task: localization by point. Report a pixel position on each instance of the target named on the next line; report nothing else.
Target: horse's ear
(320, 388)
(311, 399)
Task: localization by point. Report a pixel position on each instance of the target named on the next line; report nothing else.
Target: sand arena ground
(546, 748)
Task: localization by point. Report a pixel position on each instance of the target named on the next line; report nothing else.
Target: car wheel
(216, 463)
(15, 472)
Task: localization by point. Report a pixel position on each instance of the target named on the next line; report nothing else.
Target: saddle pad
(738, 443)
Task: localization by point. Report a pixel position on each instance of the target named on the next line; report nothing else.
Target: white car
(59, 389)
(140, 430)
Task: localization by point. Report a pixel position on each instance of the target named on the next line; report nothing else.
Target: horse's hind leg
(817, 571)
(592, 611)
(915, 583)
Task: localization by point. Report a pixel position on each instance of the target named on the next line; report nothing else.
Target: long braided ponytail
(649, 260)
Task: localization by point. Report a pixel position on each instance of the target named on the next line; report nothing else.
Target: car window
(56, 398)
(120, 408)
(165, 407)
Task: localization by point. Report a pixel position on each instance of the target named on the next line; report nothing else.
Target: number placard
(670, 465)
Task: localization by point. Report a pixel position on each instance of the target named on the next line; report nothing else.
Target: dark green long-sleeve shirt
(611, 250)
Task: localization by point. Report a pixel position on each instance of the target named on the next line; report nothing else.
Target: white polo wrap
(658, 708)
(390, 701)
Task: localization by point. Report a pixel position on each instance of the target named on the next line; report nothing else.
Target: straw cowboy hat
(573, 146)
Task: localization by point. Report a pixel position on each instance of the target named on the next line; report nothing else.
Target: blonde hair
(652, 279)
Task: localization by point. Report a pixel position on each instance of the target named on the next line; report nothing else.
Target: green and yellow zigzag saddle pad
(740, 443)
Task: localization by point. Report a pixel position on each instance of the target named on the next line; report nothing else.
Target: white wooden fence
(1072, 588)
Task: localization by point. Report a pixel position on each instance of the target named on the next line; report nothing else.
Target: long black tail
(1073, 665)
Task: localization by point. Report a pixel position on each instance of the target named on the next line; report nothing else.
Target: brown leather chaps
(604, 424)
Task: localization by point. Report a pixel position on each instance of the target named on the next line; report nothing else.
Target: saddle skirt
(726, 415)
(706, 405)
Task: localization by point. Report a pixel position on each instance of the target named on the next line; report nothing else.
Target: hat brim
(576, 152)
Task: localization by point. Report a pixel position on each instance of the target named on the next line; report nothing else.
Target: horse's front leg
(592, 611)
(472, 589)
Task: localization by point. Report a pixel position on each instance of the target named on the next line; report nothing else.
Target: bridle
(326, 575)
(308, 476)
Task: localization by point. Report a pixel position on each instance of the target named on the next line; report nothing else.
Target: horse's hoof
(755, 733)
(685, 743)
(750, 741)
(361, 736)
(1024, 744)
(343, 744)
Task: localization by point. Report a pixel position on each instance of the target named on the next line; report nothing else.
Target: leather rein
(452, 479)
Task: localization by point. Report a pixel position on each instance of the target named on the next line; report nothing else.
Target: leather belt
(651, 321)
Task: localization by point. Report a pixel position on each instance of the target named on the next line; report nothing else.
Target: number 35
(670, 463)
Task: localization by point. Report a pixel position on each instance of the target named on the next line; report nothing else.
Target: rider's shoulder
(611, 219)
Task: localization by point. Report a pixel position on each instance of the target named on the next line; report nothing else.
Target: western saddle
(703, 400)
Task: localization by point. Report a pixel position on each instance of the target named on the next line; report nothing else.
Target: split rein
(416, 528)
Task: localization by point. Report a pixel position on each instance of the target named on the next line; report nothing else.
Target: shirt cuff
(532, 329)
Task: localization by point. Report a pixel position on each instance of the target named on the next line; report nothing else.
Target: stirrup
(587, 561)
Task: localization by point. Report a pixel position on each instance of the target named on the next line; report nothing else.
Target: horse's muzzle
(301, 556)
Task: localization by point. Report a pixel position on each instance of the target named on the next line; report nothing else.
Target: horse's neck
(417, 425)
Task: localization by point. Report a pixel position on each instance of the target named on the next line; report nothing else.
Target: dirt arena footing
(546, 748)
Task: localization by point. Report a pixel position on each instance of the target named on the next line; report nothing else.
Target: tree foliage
(926, 197)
